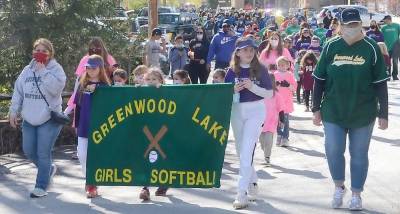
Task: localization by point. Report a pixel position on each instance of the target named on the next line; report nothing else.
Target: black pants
(307, 94)
(197, 72)
(223, 65)
(299, 84)
(394, 56)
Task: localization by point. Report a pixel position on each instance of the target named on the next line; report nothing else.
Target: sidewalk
(298, 181)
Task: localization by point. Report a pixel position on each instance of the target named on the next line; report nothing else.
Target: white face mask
(177, 82)
(351, 33)
(199, 37)
(274, 43)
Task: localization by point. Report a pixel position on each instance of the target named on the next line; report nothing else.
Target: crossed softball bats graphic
(154, 140)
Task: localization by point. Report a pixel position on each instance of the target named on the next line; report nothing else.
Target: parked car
(143, 15)
(177, 23)
(366, 16)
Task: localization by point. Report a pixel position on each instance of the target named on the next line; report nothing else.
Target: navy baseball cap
(387, 17)
(156, 32)
(226, 22)
(350, 15)
(94, 63)
(246, 43)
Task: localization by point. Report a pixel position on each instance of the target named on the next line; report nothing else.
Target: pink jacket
(274, 106)
(286, 92)
(273, 55)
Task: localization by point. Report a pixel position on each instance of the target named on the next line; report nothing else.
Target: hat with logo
(226, 22)
(350, 15)
(246, 43)
(94, 63)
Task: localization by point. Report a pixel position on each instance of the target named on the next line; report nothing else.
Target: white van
(366, 16)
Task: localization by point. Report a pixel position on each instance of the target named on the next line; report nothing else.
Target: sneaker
(74, 156)
(53, 171)
(355, 203)
(307, 109)
(267, 161)
(285, 142)
(279, 140)
(241, 201)
(337, 200)
(161, 191)
(145, 194)
(38, 192)
(252, 192)
(91, 191)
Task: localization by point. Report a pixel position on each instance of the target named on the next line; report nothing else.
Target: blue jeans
(284, 133)
(37, 143)
(335, 147)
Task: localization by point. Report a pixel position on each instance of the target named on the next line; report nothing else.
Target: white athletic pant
(82, 152)
(247, 119)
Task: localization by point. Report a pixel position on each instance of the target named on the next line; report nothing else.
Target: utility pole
(153, 15)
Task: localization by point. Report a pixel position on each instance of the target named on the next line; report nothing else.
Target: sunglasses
(199, 32)
(95, 49)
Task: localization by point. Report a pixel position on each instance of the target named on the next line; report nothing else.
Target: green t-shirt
(391, 34)
(350, 73)
(292, 29)
(321, 33)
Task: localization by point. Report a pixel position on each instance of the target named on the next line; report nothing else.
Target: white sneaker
(355, 203)
(285, 142)
(337, 200)
(241, 201)
(37, 193)
(252, 192)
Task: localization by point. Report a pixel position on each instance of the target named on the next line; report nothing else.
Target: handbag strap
(37, 85)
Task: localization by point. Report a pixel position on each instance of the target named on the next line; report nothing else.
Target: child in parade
(94, 76)
(219, 76)
(286, 85)
(120, 77)
(252, 85)
(153, 77)
(181, 77)
(138, 75)
(297, 76)
(178, 55)
(275, 116)
(308, 64)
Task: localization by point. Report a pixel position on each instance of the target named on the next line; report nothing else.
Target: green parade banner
(172, 136)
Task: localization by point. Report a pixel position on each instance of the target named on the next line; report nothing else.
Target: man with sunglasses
(222, 46)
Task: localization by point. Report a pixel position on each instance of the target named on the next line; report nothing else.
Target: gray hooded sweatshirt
(26, 98)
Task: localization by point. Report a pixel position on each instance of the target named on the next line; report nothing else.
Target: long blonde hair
(103, 77)
(255, 66)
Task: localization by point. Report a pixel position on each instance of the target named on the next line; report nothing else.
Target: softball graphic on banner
(153, 156)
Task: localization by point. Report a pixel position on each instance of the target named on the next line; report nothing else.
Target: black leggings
(197, 72)
(307, 94)
(299, 83)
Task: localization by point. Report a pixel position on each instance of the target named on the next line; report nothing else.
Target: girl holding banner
(252, 85)
(95, 75)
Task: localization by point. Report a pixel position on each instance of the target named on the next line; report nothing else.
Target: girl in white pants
(252, 85)
(94, 76)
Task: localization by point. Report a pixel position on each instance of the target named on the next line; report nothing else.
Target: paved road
(298, 181)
